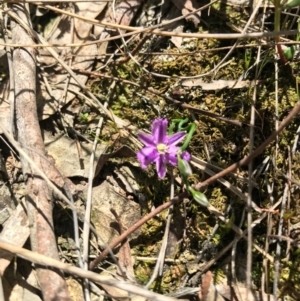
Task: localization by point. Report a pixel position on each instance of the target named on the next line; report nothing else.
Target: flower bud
(185, 156)
(184, 167)
(199, 197)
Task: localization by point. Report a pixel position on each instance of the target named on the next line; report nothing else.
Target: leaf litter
(179, 69)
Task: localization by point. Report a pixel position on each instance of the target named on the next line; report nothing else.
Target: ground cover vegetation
(149, 150)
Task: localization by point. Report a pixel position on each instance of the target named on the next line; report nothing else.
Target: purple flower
(160, 147)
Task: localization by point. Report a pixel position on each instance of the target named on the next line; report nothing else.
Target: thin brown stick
(134, 30)
(258, 35)
(133, 228)
(156, 92)
(45, 261)
(258, 151)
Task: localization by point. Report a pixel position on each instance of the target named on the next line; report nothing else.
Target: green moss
(214, 141)
(143, 272)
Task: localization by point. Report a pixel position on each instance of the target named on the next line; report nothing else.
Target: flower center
(162, 148)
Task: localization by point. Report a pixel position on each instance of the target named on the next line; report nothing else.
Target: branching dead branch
(39, 197)
(157, 69)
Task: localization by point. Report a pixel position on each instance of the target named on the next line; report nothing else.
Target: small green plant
(161, 148)
(84, 117)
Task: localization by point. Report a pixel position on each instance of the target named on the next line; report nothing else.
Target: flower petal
(173, 150)
(159, 130)
(160, 167)
(176, 138)
(147, 155)
(146, 139)
(171, 158)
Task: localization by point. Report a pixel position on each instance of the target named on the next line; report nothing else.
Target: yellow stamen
(162, 148)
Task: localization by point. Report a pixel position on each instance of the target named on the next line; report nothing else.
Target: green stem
(189, 127)
(278, 9)
(189, 136)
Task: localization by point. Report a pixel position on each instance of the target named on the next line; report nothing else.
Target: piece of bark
(69, 163)
(211, 291)
(5, 105)
(20, 282)
(104, 198)
(16, 232)
(208, 290)
(122, 13)
(117, 294)
(239, 293)
(126, 261)
(83, 57)
(176, 27)
(187, 7)
(39, 197)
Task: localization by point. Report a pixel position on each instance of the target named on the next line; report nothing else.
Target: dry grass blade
(108, 69)
(45, 261)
